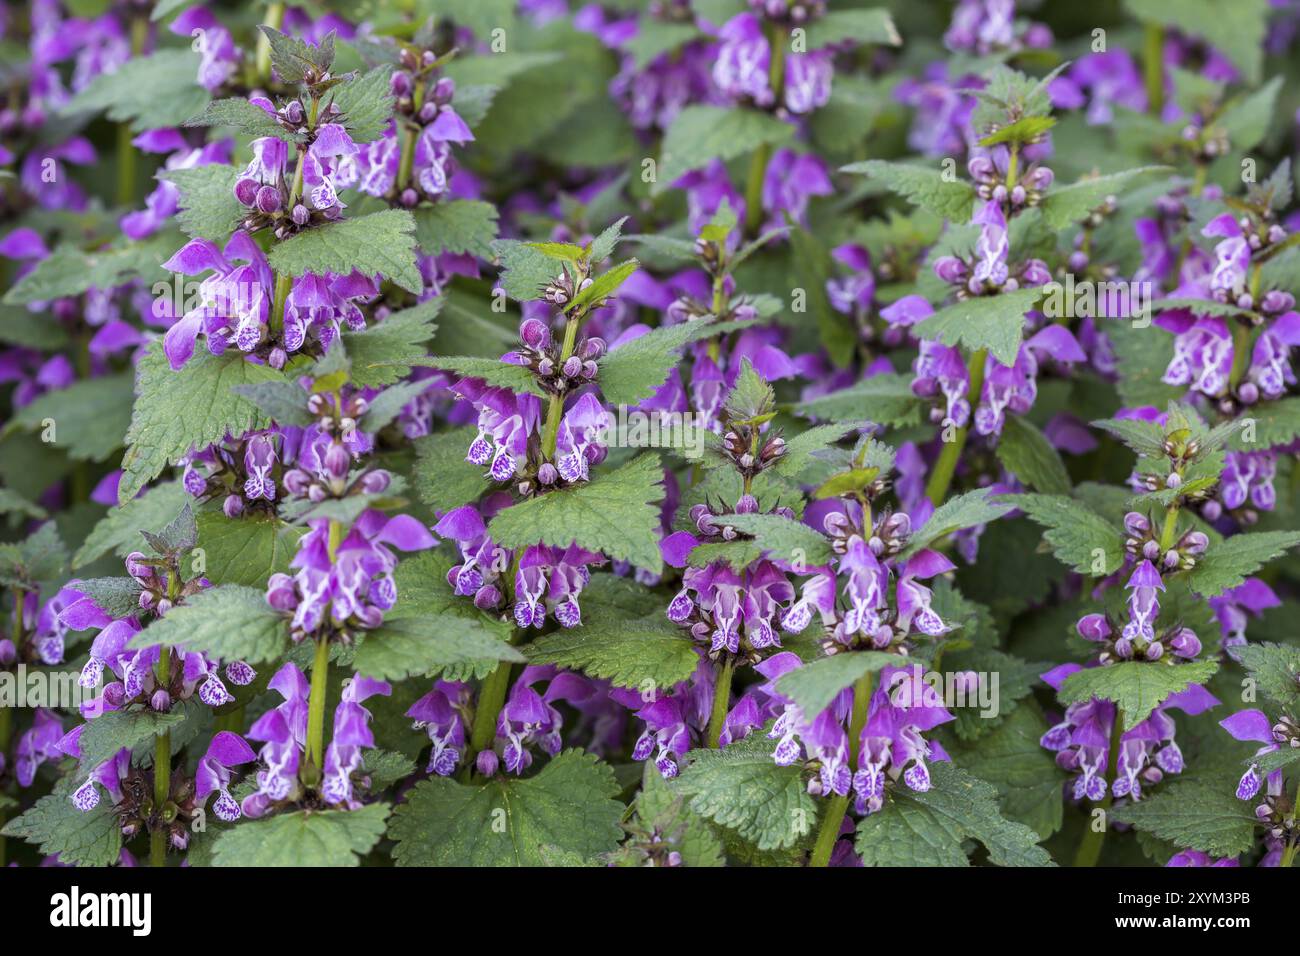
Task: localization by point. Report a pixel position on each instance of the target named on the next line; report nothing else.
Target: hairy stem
(162, 766)
(839, 805)
(936, 489)
(721, 698)
(1169, 529)
(1090, 846)
(491, 698)
(320, 676)
(555, 409)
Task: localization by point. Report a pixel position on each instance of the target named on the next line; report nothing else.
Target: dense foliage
(650, 432)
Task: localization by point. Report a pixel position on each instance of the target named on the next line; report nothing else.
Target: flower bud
(547, 474)
(535, 334)
(233, 506)
(376, 481)
(486, 762)
(282, 592)
(1185, 643)
(294, 113)
(572, 367)
(1155, 651)
(1194, 543)
(400, 83)
(246, 191)
(161, 701)
(300, 215)
(1093, 627)
(1136, 524)
(337, 462)
(487, 597)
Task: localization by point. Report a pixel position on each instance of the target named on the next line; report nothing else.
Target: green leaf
(33, 330)
(1192, 814)
(69, 271)
(930, 828)
(1276, 423)
(384, 353)
(381, 243)
(418, 647)
(517, 378)
(525, 271)
(616, 513)
(459, 226)
(116, 597)
(281, 400)
(699, 134)
(630, 373)
(58, 828)
(1246, 120)
(858, 26)
(147, 92)
(35, 562)
(367, 103)
(208, 207)
(813, 686)
(230, 622)
(993, 322)
(1145, 438)
(292, 57)
(783, 539)
(1274, 668)
(507, 822)
(620, 639)
(303, 838)
(885, 399)
(1023, 132)
(1138, 687)
(442, 478)
(964, 511)
(1074, 531)
(13, 503)
(921, 186)
(1067, 205)
(119, 530)
(1229, 562)
(656, 37)
(1026, 453)
(90, 416)
(741, 788)
(246, 117)
(117, 730)
(603, 287)
(431, 630)
(176, 411)
(245, 550)
(388, 404)
(801, 450)
(1028, 782)
(660, 810)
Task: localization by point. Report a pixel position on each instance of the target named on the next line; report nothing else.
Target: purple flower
(741, 67)
(351, 733)
(441, 714)
(225, 751)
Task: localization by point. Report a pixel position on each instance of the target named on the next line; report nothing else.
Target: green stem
(320, 672)
(839, 805)
(555, 409)
(125, 149)
(1153, 68)
(491, 698)
(1169, 529)
(1090, 846)
(936, 489)
(721, 698)
(162, 763)
(408, 142)
(776, 41)
(274, 17)
(283, 286)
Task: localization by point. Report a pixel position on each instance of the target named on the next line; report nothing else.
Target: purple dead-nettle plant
(851, 428)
